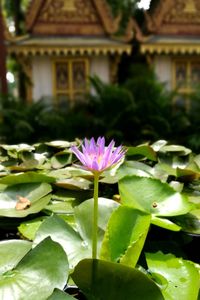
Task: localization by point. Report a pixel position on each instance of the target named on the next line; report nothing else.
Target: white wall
(99, 65)
(42, 77)
(163, 69)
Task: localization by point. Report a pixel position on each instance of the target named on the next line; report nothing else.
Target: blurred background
(128, 70)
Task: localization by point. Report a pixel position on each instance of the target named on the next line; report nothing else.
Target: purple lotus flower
(96, 157)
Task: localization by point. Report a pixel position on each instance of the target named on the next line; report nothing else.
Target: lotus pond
(148, 224)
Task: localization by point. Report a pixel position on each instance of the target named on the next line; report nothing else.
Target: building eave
(170, 49)
(69, 50)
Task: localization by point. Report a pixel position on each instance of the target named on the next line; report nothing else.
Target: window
(186, 80)
(70, 79)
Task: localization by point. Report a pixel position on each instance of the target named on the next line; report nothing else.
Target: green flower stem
(95, 216)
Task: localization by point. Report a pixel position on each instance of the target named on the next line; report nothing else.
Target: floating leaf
(62, 233)
(187, 174)
(158, 145)
(74, 183)
(59, 144)
(77, 243)
(29, 228)
(60, 160)
(152, 196)
(36, 193)
(190, 222)
(125, 236)
(104, 280)
(11, 252)
(134, 168)
(31, 177)
(60, 207)
(60, 295)
(165, 223)
(177, 149)
(181, 275)
(85, 209)
(34, 276)
(142, 150)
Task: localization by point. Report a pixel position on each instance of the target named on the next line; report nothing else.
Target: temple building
(68, 41)
(170, 39)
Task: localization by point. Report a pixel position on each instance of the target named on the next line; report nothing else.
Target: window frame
(188, 89)
(71, 91)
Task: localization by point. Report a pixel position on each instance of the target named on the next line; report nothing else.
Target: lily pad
(11, 252)
(190, 222)
(105, 280)
(60, 295)
(26, 177)
(29, 228)
(24, 281)
(152, 196)
(77, 243)
(165, 223)
(125, 236)
(60, 160)
(142, 151)
(181, 275)
(74, 183)
(71, 241)
(134, 168)
(35, 195)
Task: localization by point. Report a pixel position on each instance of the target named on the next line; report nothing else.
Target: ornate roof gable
(71, 17)
(175, 17)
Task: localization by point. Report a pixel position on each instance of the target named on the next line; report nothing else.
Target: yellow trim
(159, 48)
(70, 91)
(66, 50)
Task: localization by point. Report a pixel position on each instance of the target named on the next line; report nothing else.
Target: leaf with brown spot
(22, 203)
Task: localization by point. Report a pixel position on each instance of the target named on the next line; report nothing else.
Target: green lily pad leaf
(173, 161)
(94, 277)
(60, 207)
(32, 160)
(60, 144)
(176, 149)
(106, 207)
(143, 151)
(197, 160)
(62, 233)
(25, 178)
(177, 186)
(13, 150)
(158, 145)
(187, 174)
(74, 183)
(11, 252)
(72, 195)
(60, 160)
(134, 168)
(34, 276)
(60, 174)
(167, 168)
(77, 243)
(125, 236)
(79, 172)
(35, 196)
(181, 275)
(29, 228)
(165, 223)
(152, 196)
(190, 222)
(60, 295)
